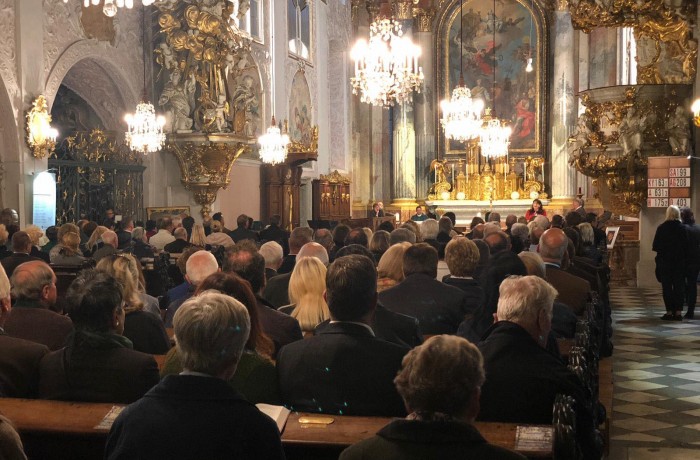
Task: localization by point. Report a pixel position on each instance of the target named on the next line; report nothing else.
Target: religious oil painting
(300, 123)
(245, 92)
(491, 47)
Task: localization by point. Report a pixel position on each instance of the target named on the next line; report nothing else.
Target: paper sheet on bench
(277, 413)
(533, 438)
(109, 419)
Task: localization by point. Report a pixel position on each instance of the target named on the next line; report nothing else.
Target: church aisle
(656, 365)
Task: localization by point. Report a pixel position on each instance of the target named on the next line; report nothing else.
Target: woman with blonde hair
(306, 287)
(143, 324)
(390, 267)
(4, 236)
(94, 243)
(198, 237)
(35, 234)
(218, 237)
(69, 254)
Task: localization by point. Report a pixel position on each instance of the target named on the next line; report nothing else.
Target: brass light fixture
(41, 137)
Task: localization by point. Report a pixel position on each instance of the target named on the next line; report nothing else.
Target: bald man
(573, 291)
(34, 288)
(199, 265)
(277, 287)
(110, 242)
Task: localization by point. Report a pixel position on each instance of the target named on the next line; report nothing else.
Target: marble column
(404, 133)
(564, 109)
(424, 103)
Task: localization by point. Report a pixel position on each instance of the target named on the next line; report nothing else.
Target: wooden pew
(306, 440)
(62, 430)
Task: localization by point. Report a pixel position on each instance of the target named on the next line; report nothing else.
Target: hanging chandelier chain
(145, 129)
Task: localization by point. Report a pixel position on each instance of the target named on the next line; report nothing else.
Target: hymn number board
(668, 182)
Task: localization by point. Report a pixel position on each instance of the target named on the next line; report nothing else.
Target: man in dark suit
(19, 360)
(298, 238)
(199, 265)
(242, 232)
(21, 247)
(376, 211)
(276, 290)
(273, 232)
(462, 257)
(573, 291)
(577, 206)
(124, 229)
(345, 369)
(438, 307)
(180, 243)
(244, 260)
(387, 325)
(34, 288)
(272, 253)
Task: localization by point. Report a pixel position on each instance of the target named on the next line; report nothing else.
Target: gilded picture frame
(520, 97)
(168, 211)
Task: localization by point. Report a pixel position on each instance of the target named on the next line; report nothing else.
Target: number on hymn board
(680, 202)
(678, 172)
(658, 192)
(657, 202)
(679, 182)
(662, 182)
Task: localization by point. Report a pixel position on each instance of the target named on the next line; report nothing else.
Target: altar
(465, 210)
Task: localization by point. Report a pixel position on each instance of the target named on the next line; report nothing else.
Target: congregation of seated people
(416, 321)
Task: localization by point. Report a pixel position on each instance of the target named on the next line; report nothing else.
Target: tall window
(299, 27)
(627, 57)
(251, 20)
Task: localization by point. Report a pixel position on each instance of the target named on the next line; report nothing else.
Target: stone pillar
(564, 109)
(404, 133)
(425, 103)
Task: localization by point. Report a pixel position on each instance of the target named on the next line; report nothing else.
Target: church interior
(314, 113)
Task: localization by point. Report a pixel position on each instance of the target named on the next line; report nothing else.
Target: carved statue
(177, 104)
(631, 130)
(222, 111)
(678, 132)
(580, 138)
(245, 105)
(165, 56)
(441, 184)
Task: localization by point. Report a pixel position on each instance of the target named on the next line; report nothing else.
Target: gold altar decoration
(41, 137)
(587, 15)
(200, 51)
(620, 128)
(205, 162)
(297, 148)
(481, 179)
(663, 30)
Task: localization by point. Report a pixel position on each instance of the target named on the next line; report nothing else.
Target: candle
(436, 174)
(453, 174)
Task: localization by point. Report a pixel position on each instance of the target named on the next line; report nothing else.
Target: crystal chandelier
(461, 114)
(386, 67)
(273, 145)
(110, 7)
(494, 138)
(145, 132)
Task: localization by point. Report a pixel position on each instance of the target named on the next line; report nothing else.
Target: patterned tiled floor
(656, 366)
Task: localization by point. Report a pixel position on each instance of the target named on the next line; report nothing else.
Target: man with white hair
(110, 242)
(273, 253)
(276, 289)
(200, 265)
(202, 416)
(19, 360)
(522, 377)
(180, 243)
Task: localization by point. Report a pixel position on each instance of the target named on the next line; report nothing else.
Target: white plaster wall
(243, 194)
